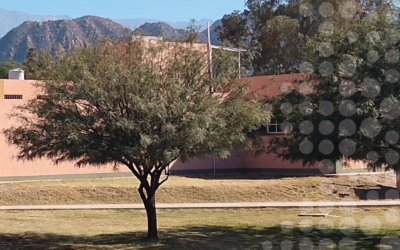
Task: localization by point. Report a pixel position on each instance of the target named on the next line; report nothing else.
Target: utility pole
(210, 72)
(210, 47)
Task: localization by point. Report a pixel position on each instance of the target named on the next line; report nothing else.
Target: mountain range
(11, 19)
(168, 32)
(45, 32)
(45, 35)
(137, 22)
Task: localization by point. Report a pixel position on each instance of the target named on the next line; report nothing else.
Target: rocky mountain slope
(75, 32)
(45, 35)
(168, 32)
(160, 29)
(11, 19)
(137, 22)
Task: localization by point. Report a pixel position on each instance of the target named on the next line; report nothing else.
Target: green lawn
(182, 229)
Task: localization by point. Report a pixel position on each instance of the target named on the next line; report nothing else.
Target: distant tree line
(280, 29)
(35, 65)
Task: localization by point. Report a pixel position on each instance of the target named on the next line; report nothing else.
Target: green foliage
(233, 29)
(150, 105)
(280, 31)
(192, 32)
(280, 39)
(262, 25)
(138, 104)
(30, 63)
(354, 52)
(7, 66)
(37, 63)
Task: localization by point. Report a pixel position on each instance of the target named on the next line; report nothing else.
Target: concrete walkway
(382, 203)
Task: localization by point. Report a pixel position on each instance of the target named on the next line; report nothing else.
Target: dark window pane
(12, 97)
(272, 128)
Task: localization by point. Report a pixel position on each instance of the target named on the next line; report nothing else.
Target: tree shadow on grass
(205, 237)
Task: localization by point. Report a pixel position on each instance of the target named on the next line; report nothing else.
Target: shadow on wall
(242, 163)
(245, 176)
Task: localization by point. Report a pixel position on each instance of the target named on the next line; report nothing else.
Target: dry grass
(179, 229)
(220, 188)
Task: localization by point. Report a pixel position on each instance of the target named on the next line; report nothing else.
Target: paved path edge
(247, 205)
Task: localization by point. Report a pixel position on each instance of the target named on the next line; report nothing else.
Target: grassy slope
(230, 188)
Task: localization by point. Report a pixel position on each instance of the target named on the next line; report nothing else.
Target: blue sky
(165, 10)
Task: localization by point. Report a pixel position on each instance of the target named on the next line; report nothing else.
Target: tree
(192, 32)
(353, 113)
(30, 63)
(7, 66)
(280, 29)
(37, 63)
(280, 39)
(234, 29)
(271, 26)
(138, 104)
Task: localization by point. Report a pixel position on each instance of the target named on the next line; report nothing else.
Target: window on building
(12, 97)
(273, 128)
(42, 97)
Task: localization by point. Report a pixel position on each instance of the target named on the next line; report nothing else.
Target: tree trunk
(150, 206)
(147, 193)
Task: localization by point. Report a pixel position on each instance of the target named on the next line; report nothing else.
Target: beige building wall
(244, 162)
(9, 166)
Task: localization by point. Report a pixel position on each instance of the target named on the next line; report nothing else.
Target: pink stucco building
(14, 92)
